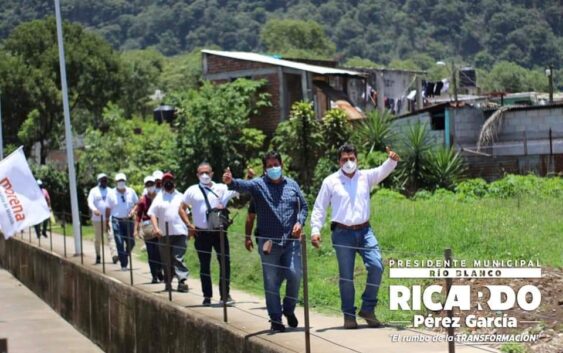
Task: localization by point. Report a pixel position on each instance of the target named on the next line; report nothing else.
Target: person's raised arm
(377, 175)
(239, 185)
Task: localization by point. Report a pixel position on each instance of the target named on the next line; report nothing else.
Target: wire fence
(124, 253)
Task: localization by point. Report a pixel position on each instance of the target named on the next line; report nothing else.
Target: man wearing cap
(43, 224)
(348, 192)
(143, 227)
(171, 230)
(200, 197)
(122, 202)
(157, 175)
(98, 200)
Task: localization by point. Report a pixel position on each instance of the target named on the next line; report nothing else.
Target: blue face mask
(274, 173)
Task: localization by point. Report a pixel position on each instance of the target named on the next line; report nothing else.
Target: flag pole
(68, 135)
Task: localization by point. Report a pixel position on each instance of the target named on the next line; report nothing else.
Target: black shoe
(277, 327)
(115, 258)
(291, 319)
(98, 260)
(206, 301)
(183, 287)
(230, 300)
(45, 235)
(160, 277)
(154, 280)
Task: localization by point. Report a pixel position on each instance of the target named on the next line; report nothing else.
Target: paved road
(30, 325)
(250, 317)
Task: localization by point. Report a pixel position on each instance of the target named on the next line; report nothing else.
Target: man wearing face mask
(207, 239)
(163, 212)
(98, 201)
(281, 210)
(348, 192)
(143, 226)
(122, 204)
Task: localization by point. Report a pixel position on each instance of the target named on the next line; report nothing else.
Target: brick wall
(218, 64)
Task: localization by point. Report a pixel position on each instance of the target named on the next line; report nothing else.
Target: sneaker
(183, 287)
(230, 300)
(124, 269)
(370, 319)
(350, 322)
(115, 258)
(98, 260)
(291, 319)
(206, 301)
(277, 327)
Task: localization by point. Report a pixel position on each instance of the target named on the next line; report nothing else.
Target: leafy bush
(336, 129)
(474, 188)
(410, 174)
(513, 347)
(374, 133)
(301, 139)
(389, 194)
(422, 195)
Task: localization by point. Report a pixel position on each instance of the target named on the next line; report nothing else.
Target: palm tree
(375, 132)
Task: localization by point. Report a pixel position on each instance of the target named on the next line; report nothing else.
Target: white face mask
(151, 189)
(349, 167)
(204, 178)
(121, 185)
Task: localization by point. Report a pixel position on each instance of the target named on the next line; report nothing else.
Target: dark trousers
(154, 257)
(38, 226)
(124, 240)
(205, 241)
(172, 251)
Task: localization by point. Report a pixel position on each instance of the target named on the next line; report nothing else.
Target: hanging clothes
(429, 91)
(438, 88)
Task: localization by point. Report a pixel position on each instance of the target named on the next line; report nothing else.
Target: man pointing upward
(348, 192)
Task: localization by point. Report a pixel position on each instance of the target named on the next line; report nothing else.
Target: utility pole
(549, 72)
(454, 82)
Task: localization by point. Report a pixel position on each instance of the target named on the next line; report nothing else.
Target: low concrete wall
(115, 316)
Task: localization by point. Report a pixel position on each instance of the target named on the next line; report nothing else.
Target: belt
(353, 227)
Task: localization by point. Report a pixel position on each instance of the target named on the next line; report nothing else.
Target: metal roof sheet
(265, 59)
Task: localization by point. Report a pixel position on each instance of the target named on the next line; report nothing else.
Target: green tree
(374, 133)
(361, 63)
(132, 146)
(181, 72)
(301, 139)
(213, 126)
(335, 129)
(510, 77)
(445, 168)
(93, 75)
(296, 38)
(414, 158)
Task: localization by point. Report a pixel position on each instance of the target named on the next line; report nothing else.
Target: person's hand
(227, 176)
(250, 173)
(192, 232)
(316, 241)
(248, 243)
(156, 232)
(97, 213)
(296, 232)
(394, 156)
(136, 235)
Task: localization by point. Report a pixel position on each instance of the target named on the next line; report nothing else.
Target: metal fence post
(305, 293)
(451, 330)
(223, 272)
(51, 234)
(64, 234)
(3, 345)
(103, 245)
(129, 249)
(81, 246)
(169, 272)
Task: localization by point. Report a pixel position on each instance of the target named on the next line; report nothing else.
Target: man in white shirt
(98, 199)
(171, 231)
(122, 203)
(348, 192)
(206, 239)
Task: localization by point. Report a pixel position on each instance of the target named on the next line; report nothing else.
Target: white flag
(22, 203)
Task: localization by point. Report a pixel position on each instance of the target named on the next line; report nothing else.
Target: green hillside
(481, 32)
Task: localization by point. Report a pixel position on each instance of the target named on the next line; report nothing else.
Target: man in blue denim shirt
(281, 211)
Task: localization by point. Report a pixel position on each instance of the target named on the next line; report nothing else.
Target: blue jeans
(346, 244)
(124, 240)
(282, 263)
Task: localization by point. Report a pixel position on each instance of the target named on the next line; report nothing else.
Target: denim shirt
(278, 206)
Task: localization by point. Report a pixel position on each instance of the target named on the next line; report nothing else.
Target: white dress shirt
(165, 208)
(349, 197)
(122, 203)
(98, 199)
(193, 197)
